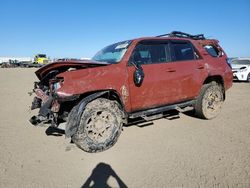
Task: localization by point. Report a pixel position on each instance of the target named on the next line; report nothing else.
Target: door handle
(200, 67)
(171, 70)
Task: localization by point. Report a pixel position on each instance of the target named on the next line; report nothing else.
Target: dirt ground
(183, 152)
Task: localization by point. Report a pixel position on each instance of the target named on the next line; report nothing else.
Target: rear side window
(211, 50)
(183, 51)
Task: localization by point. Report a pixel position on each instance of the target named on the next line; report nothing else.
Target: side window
(183, 51)
(150, 53)
(212, 50)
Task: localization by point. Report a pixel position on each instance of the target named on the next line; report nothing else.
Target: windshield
(113, 53)
(241, 62)
(41, 55)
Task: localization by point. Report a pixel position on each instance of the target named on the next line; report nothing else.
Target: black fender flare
(76, 113)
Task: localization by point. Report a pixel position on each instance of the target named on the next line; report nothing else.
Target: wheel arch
(110, 94)
(76, 112)
(218, 79)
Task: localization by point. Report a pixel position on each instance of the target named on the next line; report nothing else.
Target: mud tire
(208, 104)
(100, 125)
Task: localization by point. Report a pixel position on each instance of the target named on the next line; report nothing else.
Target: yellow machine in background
(41, 59)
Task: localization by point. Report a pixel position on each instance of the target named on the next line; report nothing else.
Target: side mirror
(138, 76)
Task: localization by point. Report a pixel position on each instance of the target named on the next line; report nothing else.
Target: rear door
(189, 67)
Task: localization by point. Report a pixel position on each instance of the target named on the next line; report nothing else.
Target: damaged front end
(55, 105)
(49, 102)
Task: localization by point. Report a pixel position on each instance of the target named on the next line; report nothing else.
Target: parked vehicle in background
(38, 61)
(41, 59)
(11, 63)
(15, 61)
(241, 69)
(140, 78)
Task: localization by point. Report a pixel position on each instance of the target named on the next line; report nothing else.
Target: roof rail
(183, 35)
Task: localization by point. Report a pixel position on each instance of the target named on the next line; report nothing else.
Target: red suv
(143, 78)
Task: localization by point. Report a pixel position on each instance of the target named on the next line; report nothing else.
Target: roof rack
(180, 34)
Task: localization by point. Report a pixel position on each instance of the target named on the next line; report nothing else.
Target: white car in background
(241, 69)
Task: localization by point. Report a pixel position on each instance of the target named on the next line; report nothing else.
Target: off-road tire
(208, 104)
(100, 125)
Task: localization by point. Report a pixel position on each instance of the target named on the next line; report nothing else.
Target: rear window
(183, 51)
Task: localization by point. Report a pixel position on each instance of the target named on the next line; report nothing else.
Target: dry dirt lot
(184, 152)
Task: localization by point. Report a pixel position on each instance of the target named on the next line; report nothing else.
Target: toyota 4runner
(140, 78)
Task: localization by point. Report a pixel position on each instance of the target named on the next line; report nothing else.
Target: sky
(80, 28)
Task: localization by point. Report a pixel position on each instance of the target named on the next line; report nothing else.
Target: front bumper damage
(53, 102)
(49, 103)
(53, 108)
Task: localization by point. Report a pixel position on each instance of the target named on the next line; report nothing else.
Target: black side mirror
(138, 76)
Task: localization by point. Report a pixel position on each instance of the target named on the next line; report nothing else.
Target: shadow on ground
(238, 81)
(190, 113)
(100, 175)
(53, 131)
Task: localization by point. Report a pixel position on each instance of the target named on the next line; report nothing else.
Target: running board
(152, 117)
(145, 113)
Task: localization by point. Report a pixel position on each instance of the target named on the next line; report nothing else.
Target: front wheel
(208, 104)
(248, 77)
(100, 125)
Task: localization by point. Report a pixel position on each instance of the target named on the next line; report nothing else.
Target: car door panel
(158, 88)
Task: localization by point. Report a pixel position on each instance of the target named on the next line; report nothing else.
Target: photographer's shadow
(100, 175)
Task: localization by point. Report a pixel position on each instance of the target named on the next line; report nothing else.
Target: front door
(160, 85)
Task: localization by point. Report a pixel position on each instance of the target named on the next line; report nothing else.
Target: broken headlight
(56, 86)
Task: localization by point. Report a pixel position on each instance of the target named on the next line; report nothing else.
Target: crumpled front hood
(62, 66)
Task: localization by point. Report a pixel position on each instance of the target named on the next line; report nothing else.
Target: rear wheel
(100, 125)
(209, 103)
